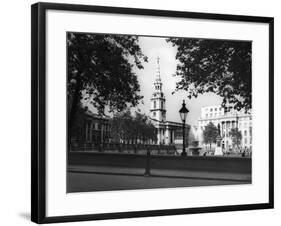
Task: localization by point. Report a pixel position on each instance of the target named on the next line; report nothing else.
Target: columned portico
(228, 120)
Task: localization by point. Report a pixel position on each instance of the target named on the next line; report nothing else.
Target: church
(168, 132)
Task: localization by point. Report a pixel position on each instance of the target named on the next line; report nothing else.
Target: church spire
(158, 109)
(158, 78)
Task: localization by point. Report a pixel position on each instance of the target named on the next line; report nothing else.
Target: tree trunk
(73, 110)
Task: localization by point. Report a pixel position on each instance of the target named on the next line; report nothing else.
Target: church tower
(157, 108)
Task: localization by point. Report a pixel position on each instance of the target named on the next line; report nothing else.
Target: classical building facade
(168, 132)
(227, 119)
(94, 129)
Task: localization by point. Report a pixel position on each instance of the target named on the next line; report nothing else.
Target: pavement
(164, 173)
(100, 178)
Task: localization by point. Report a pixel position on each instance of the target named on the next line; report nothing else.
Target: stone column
(162, 136)
(222, 129)
(228, 127)
(158, 136)
(91, 128)
(86, 132)
(225, 128)
(101, 130)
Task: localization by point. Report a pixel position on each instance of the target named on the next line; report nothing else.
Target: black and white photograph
(151, 112)
(142, 112)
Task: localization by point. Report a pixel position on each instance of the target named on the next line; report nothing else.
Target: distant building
(168, 132)
(227, 119)
(93, 129)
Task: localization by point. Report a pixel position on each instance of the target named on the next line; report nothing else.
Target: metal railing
(125, 148)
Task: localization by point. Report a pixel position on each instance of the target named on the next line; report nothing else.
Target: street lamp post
(183, 113)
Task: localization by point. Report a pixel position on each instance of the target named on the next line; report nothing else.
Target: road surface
(84, 179)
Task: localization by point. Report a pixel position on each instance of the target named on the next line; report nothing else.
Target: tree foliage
(79, 123)
(221, 67)
(128, 129)
(236, 137)
(99, 69)
(210, 133)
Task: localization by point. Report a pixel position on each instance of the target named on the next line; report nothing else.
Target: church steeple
(158, 82)
(158, 78)
(157, 109)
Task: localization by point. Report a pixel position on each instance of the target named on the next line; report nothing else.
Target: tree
(99, 69)
(121, 126)
(79, 124)
(128, 129)
(236, 137)
(221, 67)
(144, 130)
(210, 134)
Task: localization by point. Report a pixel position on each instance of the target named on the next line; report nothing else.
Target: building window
(154, 104)
(245, 141)
(162, 105)
(206, 115)
(154, 113)
(211, 115)
(211, 109)
(245, 133)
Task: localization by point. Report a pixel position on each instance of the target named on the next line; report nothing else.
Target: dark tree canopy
(132, 129)
(221, 67)
(101, 67)
(236, 137)
(210, 133)
(144, 129)
(100, 70)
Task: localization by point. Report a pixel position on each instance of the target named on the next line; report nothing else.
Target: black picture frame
(38, 111)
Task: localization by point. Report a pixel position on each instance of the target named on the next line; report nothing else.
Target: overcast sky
(153, 47)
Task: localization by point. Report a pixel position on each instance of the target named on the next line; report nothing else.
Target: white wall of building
(227, 120)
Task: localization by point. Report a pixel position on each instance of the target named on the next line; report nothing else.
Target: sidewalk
(160, 173)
